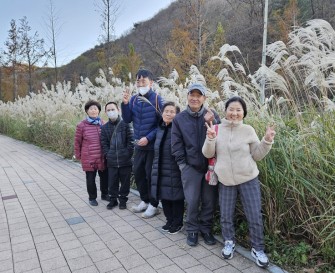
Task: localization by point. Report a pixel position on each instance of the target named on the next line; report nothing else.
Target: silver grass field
(298, 176)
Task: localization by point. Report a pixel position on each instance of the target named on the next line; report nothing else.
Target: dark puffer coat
(165, 176)
(144, 116)
(87, 146)
(117, 146)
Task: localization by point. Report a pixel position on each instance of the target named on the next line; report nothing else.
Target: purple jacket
(87, 146)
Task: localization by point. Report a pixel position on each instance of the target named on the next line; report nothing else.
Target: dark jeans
(173, 211)
(142, 171)
(115, 177)
(92, 187)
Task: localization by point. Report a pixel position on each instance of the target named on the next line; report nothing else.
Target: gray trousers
(250, 195)
(200, 199)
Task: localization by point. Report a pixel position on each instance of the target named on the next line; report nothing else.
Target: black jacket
(117, 146)
(188, 137)
(165, 176)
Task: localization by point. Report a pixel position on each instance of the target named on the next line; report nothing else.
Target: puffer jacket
(117, 143)
(87, 146)
(165, 176)
(144, 116)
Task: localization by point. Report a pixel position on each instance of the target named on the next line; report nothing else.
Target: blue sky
(78, 21)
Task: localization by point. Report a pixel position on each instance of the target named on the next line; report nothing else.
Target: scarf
(95, 121)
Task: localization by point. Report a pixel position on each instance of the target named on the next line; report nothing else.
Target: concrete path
(46, 225)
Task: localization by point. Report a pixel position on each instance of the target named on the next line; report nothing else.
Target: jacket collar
(162, 124)
(195, 114)
(115, 121)
(229, 123)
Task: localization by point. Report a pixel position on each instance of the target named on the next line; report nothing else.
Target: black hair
(171, 103)
(240, 100)
(90, 103)
(112, 102)
(145, 74)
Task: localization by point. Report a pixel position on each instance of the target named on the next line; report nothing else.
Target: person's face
(111, 107)
(234, 111)
(142, 82)
(195, 100)
(169, 113)
(93, 111)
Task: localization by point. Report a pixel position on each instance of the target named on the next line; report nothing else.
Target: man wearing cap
(143, 110)
(188, 137)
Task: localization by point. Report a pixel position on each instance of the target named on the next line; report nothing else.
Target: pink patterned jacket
(87, 146)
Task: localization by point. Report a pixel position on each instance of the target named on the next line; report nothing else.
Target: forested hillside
(186, 33)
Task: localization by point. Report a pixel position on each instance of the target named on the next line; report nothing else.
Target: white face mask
(113, 115)
(143, 90)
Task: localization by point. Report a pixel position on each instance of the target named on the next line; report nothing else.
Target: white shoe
(141, 207)
(260, 258)
(151, 211)
(228, 250)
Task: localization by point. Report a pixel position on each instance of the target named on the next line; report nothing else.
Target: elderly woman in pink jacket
(87, 147)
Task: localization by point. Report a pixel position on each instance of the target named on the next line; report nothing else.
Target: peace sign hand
(270, 133)
(211, 134)
(209, 116)
(126, 95)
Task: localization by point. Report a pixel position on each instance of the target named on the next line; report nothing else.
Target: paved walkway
(46, 225)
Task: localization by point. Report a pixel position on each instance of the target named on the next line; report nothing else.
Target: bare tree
(53, 31)
(195, 14)
(109, 11)
(12, 54)
(32, 49)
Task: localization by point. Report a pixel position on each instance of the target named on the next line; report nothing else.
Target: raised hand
(270, 133)
(209, 116)
(210, 130)
(126, 95)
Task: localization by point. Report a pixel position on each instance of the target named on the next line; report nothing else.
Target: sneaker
(228, 250)
(105, 197)
(175, 230)
(166, 227)
(122, 205)
(141, 207)
(208, 238)
(192, 239)
(112, 204)
(260, 258)
(93, 202)
(150, 212)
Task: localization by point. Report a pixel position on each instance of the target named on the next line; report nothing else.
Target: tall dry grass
(298, 176)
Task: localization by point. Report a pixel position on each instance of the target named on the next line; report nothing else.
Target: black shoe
(192, 239)
(166, 227)
(122, 205)
(105, 197)
(93, 202)
(112, 204)
(208, 238)
(175, 229)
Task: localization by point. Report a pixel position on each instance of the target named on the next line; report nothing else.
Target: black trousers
(92, 187)
(142, 171)
(173, 211)
(118, 176)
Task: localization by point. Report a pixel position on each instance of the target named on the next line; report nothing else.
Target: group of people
(168, 152)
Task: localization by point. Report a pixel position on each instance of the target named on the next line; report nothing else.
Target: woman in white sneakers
(237, 148)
